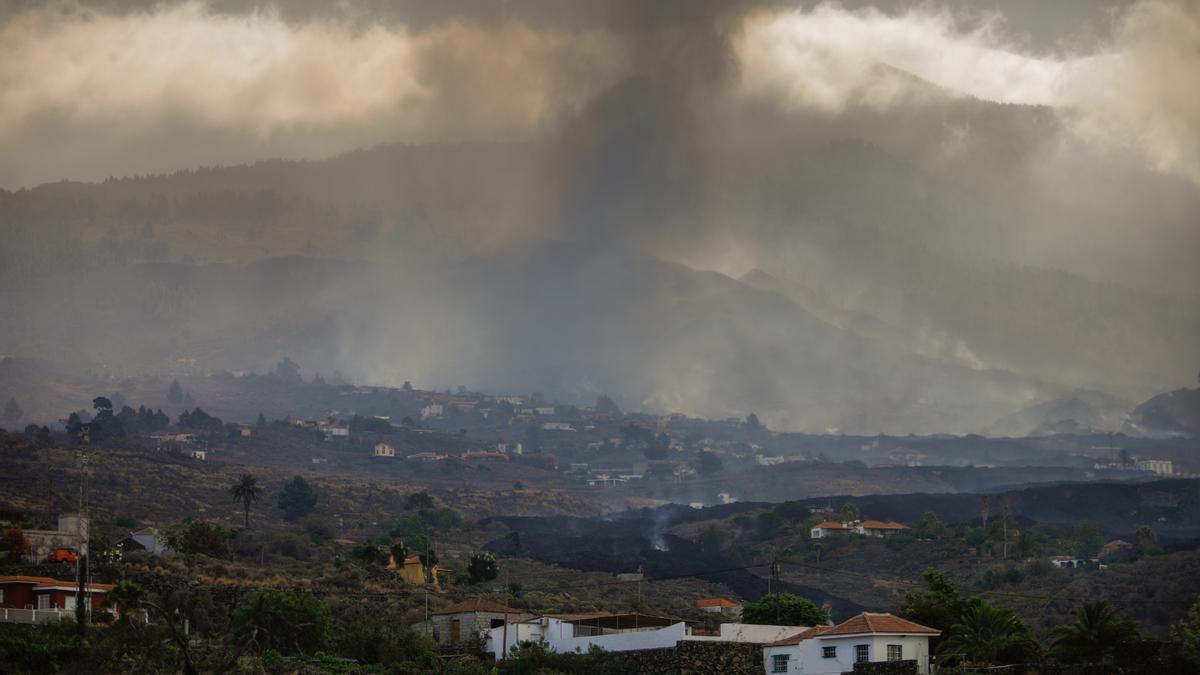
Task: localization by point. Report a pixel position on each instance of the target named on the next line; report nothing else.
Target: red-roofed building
(830, 527)
(866, 528)
(867, 637)
(878, 528)
(723, 606)
(25, 599)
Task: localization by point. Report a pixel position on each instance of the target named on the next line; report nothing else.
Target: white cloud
(1137, 92)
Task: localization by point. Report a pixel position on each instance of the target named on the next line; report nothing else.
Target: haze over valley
(692, 291)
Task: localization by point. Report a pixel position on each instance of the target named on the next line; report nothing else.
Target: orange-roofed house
(879, 528)
(867, 637)
(723, 606)
(830, 527)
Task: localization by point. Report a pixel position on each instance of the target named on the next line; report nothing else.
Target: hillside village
(495, 543)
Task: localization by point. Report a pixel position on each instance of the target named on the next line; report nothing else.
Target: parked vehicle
(62, 555)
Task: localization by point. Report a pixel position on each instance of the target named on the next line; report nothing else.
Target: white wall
(622, 642)
(747, 632)
(499, 641)
(560, 637)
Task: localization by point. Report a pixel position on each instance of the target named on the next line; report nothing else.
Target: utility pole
(82, 594)
(1005, 505)
(775, 578)
(50, 502)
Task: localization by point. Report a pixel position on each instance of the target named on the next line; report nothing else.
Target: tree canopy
(482, 567)
(297, 499)
(291, 622)
(247, 491)
(988, 634)
(1097, 629)
(784, 609)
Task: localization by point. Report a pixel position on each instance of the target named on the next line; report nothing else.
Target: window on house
(829, 652)
(70, 602)
(862, 653)
(496, 623)
(43, 601)
(779, 663)
(1, 596)
(895, 652)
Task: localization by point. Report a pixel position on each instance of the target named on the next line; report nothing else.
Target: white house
(1067, 562)
(865, 528)
(721, 606)
(878, 528)
(579, 632)
(557, 426)
(150, 539)
(73, 531)
(1162, 467)
(829, 527)
(831, 650)
(336, 431)
(510, 448)
(432, 410)
(384, 450)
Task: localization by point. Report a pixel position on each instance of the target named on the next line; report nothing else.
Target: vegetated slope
(1175, 412)
(162, 487)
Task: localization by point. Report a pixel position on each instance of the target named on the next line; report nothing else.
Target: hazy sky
(93, 89)
(963, 206)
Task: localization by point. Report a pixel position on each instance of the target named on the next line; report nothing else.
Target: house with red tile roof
(26, 599)
(723, 606)
(866, 528)
(879, 528)
(867, 637)
(830, 527)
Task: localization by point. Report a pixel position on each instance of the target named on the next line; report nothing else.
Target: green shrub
(291, 622)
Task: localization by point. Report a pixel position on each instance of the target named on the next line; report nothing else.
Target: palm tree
(124, 596)
(1097, 629)
(247, 491)
(988, 634)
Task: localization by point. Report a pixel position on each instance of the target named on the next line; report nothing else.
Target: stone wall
(692, 657)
